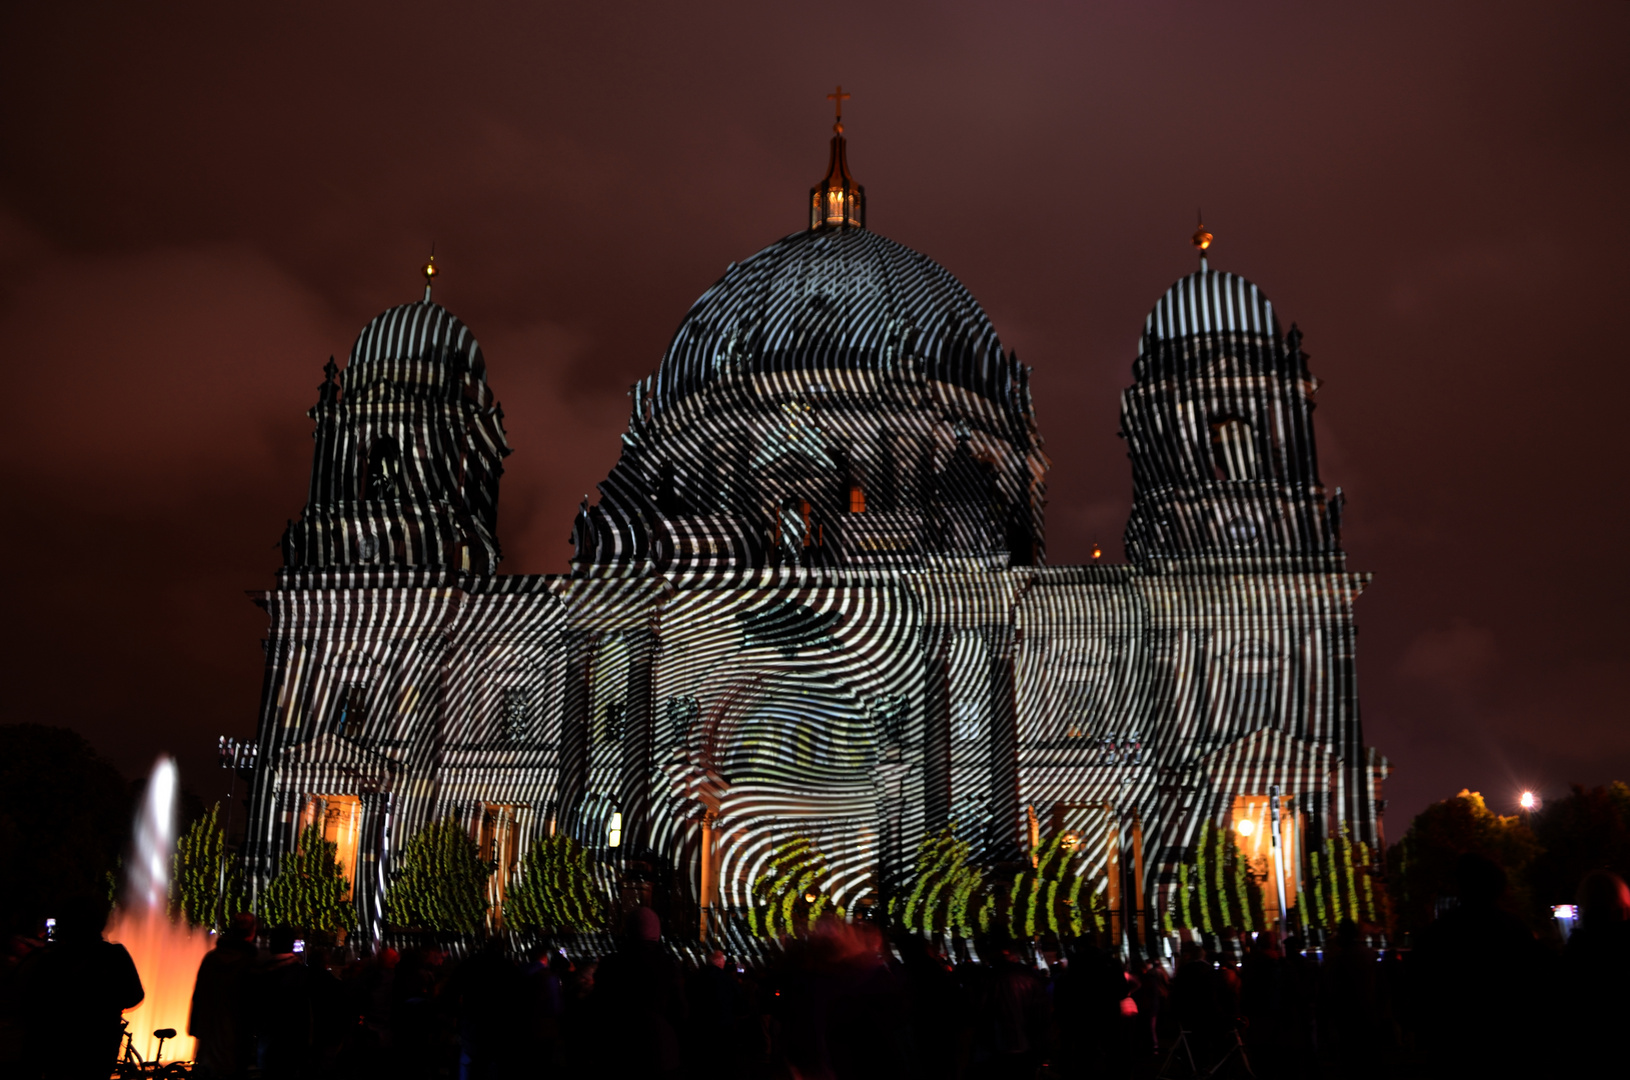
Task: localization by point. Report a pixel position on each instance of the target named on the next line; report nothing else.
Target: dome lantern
(837, 201)
(429, 271)
(1202, 242)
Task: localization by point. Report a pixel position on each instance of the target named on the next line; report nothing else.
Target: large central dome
(837, 400)
(833, 300)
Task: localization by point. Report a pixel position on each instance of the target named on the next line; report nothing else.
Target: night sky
(200, 203)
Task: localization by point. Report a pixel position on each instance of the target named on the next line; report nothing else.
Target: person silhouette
(219, 1017)
(1479, 979)
(74, 990)
(1596, 971)
(640, 1002)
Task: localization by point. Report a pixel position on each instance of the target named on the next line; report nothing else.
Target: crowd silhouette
(1478, 995)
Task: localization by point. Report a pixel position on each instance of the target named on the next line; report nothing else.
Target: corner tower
(1219, 427)
(409, 448)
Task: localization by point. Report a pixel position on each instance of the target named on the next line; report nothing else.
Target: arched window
(1233, 449)
(351, 711)
(384, 468)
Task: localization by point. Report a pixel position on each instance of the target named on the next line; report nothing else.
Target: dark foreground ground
(1477, 997)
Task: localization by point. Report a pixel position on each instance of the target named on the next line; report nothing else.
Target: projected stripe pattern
(410, 447)
(836, 400)
(809, 603)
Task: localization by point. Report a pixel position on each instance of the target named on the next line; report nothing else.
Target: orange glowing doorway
(1251, 822)
(341, 817)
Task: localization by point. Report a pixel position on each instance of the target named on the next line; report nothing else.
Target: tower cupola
(837, 201)
(409, 450)
(1219, 427)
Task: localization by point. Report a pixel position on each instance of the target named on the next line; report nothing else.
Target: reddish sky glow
(200, 203)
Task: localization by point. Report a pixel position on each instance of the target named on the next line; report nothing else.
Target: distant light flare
(1529, 801)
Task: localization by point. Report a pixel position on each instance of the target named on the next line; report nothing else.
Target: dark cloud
(199, 203)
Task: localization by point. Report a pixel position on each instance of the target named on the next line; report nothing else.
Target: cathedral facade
(812, 600)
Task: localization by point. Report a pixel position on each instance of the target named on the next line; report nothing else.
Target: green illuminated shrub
(1048, 898)
(790, 891)
(440, 882)
(1216, 891)
(309, 889)
(1341, 884)
(206, 888)
(946, 888)
(554, 889)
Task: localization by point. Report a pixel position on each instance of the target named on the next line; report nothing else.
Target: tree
(206, 888)
(1342, 883)
(1421, 865)
(1216, 891)
(945, 891)
(65, 813)
(309, 889)
(554, 889)
(790, 889)
(1047, 897)
(441, 882)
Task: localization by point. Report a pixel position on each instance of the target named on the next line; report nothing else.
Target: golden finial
(838, 97)
(430, 273)
(1202, 241)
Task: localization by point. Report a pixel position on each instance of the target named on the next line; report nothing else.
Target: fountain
(166, 953)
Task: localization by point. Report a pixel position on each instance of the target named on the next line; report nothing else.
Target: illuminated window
(1251, 824)
(340, 815)
(857, 499)
(834, 206)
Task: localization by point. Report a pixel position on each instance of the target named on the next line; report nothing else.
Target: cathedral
(812, 599)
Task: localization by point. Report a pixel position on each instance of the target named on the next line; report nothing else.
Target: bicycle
(130, 1065)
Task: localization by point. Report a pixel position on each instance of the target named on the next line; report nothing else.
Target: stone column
(1004, 837)
(574, 729)
(936, 729)
(634, 794)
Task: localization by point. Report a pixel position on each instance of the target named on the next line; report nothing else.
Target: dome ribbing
(829, 299)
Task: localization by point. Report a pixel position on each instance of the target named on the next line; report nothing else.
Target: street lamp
(1529, 801)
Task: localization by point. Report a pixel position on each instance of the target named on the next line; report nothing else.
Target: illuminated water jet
(166, 953)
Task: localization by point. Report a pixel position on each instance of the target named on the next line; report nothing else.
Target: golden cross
(838, 97)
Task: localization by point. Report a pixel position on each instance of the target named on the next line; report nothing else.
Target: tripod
(1193, 1071)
